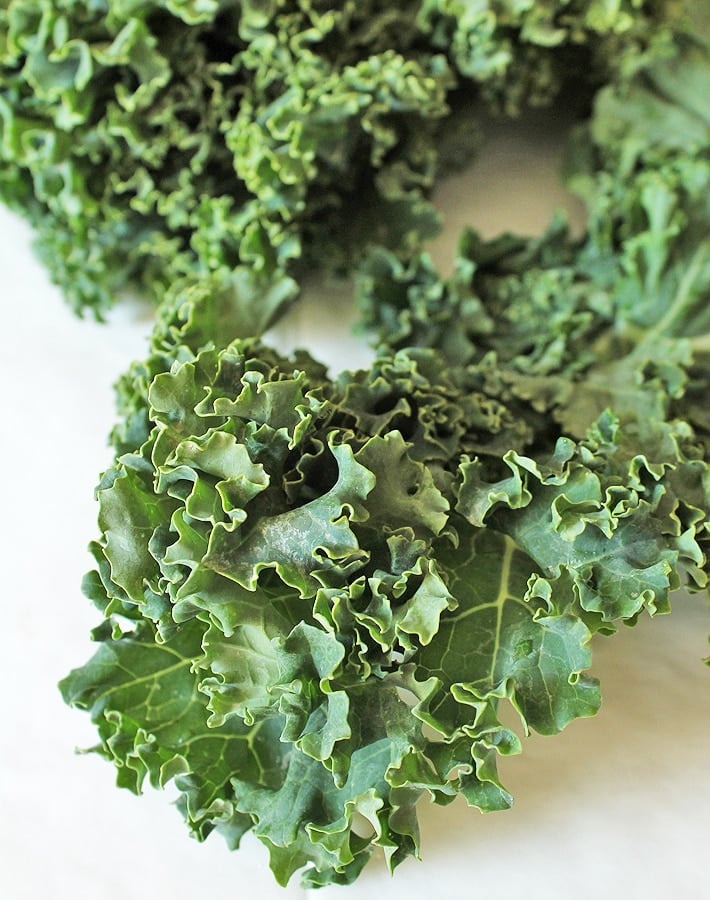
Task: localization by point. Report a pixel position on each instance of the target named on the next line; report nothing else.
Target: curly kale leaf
(567, 327)
(318, 571)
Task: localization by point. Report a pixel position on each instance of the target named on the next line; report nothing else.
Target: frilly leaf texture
(152, 141)
(320, 596)
(336, 615)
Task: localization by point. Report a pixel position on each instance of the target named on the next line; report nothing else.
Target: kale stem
(685, 298)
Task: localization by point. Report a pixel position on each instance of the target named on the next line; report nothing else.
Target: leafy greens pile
(319, 594)
(148, 141)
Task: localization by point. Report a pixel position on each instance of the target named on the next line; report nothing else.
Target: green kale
(150, 141)
(321, 596)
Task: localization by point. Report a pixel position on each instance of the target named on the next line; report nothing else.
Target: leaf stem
(684, 299)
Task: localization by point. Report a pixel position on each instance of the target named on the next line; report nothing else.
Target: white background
(617, 806)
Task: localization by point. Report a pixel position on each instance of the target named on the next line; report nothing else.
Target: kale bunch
(321, 596)
(148, 141)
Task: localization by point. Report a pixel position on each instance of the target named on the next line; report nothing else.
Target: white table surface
(616, 807)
